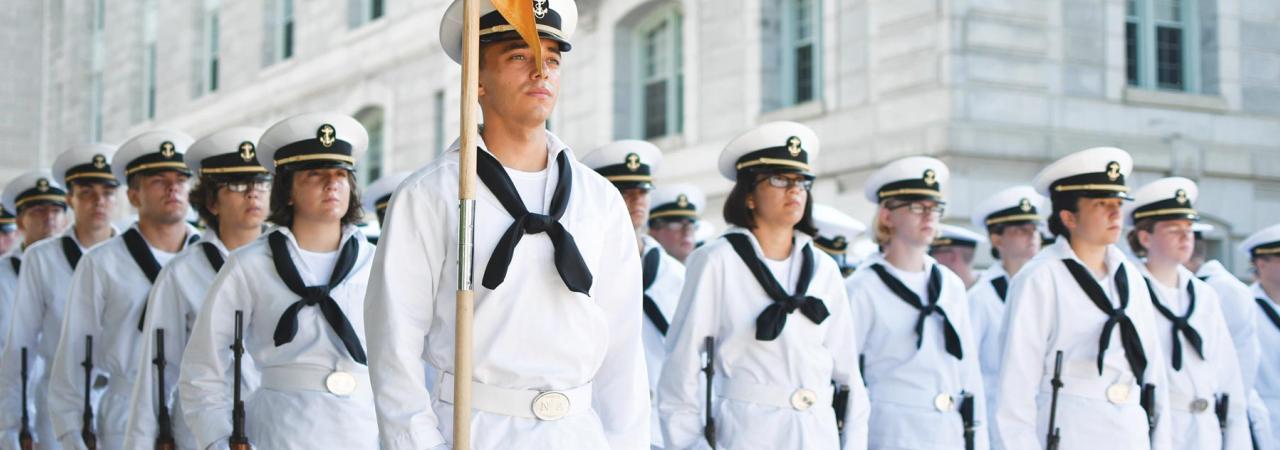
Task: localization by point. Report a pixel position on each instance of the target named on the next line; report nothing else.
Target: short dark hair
(736, 211)
(282, 190)
(1056, 227)
(205, 194)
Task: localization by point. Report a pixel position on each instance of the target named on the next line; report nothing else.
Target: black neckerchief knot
(287, 328)
(774, 317)
(934, 289)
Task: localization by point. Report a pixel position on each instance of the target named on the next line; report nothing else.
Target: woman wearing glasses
(771, 309)
(231, 198)
(912, 320)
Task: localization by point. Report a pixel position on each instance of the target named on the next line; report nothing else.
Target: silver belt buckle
(340, 383)
(1118, 393)
(803, 399)
(1199, 405)
(944, 402)
(550, 405)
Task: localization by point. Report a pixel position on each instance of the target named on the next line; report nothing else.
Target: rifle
(1055, 435)
(86, 425)
(25, 441)
(710, 430)
(966, 415)
(1148, 402)
(238, 440)
(1224, 402)
(840, 403)
(164, 441)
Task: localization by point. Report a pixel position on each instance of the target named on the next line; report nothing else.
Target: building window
(361, 12)
(370, 168)
(210, 48)
(793, 53)
(1161, 50)
(280, 25)
(438, 111)
(659, 59)
(96, 69)
(147, 108)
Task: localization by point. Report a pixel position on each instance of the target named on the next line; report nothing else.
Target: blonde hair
(882, 230)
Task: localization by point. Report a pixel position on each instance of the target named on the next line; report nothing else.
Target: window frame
(286, 24)
(672, 17)
(1146, 24)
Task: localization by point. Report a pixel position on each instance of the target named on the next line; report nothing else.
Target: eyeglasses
(920, 209)
(241, 187)
(785, 182)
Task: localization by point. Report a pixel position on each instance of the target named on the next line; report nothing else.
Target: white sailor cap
(378, 195)
(311, 141)
(1018, 204)
(627, 164)
(150, 152)
(910, 178)
(1098, 172)
(770, 148)
(836, 230)
(704, 231)
(85, 163)
(33, 188)
(1164, 199)
(557, 20)
(8, 223)
(954, 236)
(226, 153)
(676, 201)
(1264, 242)
(1200, 228)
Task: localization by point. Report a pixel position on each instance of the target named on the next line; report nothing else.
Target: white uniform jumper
(300, 345)
(921, 359)
(1204, 365)
(108, 296)
(11, 266)
(534, 331)
(986, 310)
(173, 305)
(662, 279)
(1099, 404)
(775, 360)
(36, 323)
(1242, 314)
(1268, 381)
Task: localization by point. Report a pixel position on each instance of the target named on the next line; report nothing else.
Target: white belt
(916, 398)
(524, 403)
(1116, 392)
(313, 378)
(1187, 403)
(799, 399)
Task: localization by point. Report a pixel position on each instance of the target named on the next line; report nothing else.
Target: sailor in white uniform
(836, 232)
(630, 166)
(674, 223)
(110, 286)
(377, 197)
(1012, 218)
(41, 206)
(769, 311)
(1081, 297)
(300, 290)
(1242, 314)
(955, 248)
(231, 198)
(1205, 376)
(558, 359)
(912, 320)
(1263, 248)
(42, 289)
(9, 234)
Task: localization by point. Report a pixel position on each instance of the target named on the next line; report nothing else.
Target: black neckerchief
(71, 250)
(16, 263)
(569, 263)
(1181, 325)
(1129, 338)
(146, 261)
(774, 317)
(1001, 285)
(934, 290)
(214, 256)
(651, 310)
(1269, 311)
(287, 328)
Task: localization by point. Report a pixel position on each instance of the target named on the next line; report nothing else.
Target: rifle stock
(1055, 435)
(86, 426)
(164, 441)
(25, 441)
(709, 432)
(238, 440)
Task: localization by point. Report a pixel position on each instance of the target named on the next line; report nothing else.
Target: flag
(519, 13)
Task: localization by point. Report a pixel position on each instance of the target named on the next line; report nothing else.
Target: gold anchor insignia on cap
(99, 162)
(540, 8)
(167, 150)
(633, 162)
(682, 201)
(794, 146)
(1024, 205)
(42, 185)
(247, 152)
(1181, 197)
(1113, 171)
(327, 135)
(930, 177)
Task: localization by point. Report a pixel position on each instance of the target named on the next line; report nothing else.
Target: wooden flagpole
(465, 312)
